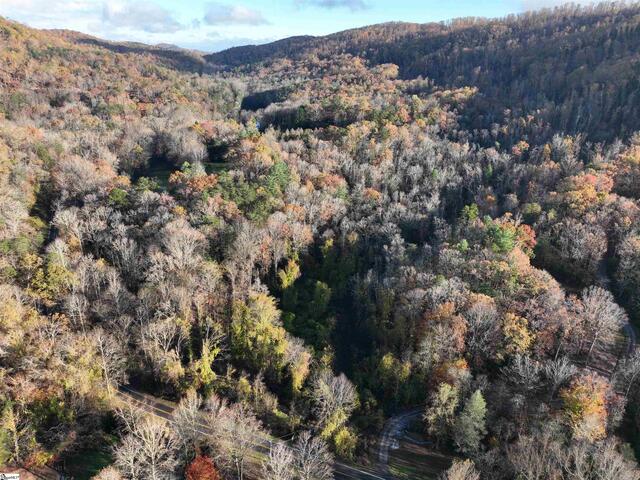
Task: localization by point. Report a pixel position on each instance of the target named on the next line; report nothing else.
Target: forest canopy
(243, 264)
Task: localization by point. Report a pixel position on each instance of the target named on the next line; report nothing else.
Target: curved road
(391, 434)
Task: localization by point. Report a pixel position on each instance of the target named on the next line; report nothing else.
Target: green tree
(440, 415)
(257, 337)
(393, 377)
(202, 368)
(469, 428)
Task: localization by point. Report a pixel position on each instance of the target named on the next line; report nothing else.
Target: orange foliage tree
(584, 405)
(202, 468)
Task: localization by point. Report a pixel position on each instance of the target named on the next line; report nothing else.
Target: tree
(584, 405)
(187, 422)
(628, 372)
(517, 336)
(313, 460)
(524, 373)
(574, 249)
(202, 368)
(536, 457)
(126, 457)
(483, 327)
(279, 465)
(112, 358)
(440, 414)
(183, 246)
(108, 473)
(235, 437)
(345, 442)
(461, 470)
(628, 272)
(257, 337)
(393, 376)
(335, 398)
(609, 463)
(201, 468)
(216, 410)
(148, 450)
(298, 359)
(602, 318)
(17, 432)
(557, 372)
(162, 341)
(469, 428)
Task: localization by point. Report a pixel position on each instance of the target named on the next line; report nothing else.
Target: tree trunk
(593, 344)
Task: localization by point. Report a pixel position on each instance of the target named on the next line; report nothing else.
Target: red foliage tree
(202, 468)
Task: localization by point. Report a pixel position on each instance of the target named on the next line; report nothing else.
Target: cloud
(222, 14)
(140, 15)
(49, 13)
(538, 4)
(352, 5)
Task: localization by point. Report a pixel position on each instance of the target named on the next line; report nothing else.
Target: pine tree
(470, 426)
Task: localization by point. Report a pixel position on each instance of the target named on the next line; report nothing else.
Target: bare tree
(557, 372)
(235, 435)
(599, 461)
(628, 372)
(108, 473)
(601, 315)
(161, 341)
(580, 244)
(524, 373)
(609, 463)
(112, 357)
(187, 421)
(183, 245)
(279, 465)
(242, 257)
(333, 395)
(148, 450)
(70, 224)
(314, 461)
(126, 456)
(535, 458)
(483, 328)
(216, 410)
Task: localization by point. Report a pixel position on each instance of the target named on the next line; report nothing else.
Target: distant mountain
(573, 69)
(574, 64)
(170, 56)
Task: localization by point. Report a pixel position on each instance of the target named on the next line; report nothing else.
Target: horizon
(215, 26)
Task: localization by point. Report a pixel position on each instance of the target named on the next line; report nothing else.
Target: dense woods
(294, 242)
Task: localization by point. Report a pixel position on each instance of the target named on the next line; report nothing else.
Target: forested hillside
(573, 70)
(297, 241)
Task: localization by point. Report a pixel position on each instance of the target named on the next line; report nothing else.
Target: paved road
(391, 434)
(164, 409)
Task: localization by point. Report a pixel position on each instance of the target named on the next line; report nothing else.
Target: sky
(215, 25)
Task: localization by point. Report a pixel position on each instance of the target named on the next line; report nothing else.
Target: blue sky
(215, 25)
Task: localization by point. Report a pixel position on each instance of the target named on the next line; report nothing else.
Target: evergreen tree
(470, 428)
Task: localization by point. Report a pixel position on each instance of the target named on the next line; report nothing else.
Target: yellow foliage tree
(584, 406)
(518, 338)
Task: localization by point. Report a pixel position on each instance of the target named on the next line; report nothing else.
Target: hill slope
(575, 68)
